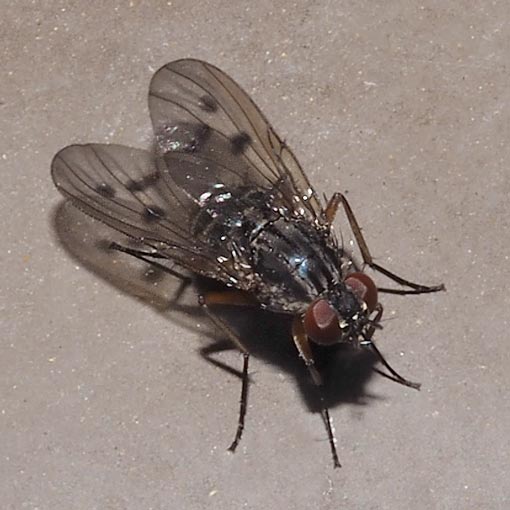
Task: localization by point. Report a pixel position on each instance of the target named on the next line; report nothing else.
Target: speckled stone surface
(105, 400)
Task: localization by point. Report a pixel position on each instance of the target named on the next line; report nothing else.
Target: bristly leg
(303, 346)
(395, 376)
(231, 298)
(330, 213)
(149, 257)
(243, 404)
(367, 341)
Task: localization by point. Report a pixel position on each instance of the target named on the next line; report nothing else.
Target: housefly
(222, 195)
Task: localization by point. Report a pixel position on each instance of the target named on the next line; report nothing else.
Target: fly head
(343, 314)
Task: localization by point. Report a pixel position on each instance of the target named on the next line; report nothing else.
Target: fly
(223, 196)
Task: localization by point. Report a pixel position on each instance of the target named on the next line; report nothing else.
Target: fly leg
(330, 212)
(231, 298)
(303, 346)
(226, 298)
(367, 340)
(148, 257)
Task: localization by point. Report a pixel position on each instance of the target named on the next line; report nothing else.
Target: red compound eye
(321, 323)
(364, 287)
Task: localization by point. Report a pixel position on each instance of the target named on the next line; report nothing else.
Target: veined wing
(199, 111)
(131, 191)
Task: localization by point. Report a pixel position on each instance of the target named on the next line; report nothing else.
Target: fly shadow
(88, 242)
(267, 336)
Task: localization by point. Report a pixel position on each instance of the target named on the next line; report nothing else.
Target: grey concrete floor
(105, 401)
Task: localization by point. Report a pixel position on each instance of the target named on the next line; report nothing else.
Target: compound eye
(321, 323)
(364, 287)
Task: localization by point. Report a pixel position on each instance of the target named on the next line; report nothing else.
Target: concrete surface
(105, 401)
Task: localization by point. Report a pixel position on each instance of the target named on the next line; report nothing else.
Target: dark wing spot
(143, 183)
(105, 190)
(208, 104)
(153, 213)
(240, 142)
(135, 185)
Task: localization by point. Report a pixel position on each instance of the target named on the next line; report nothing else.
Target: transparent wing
(199, 111)
(131, 191)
